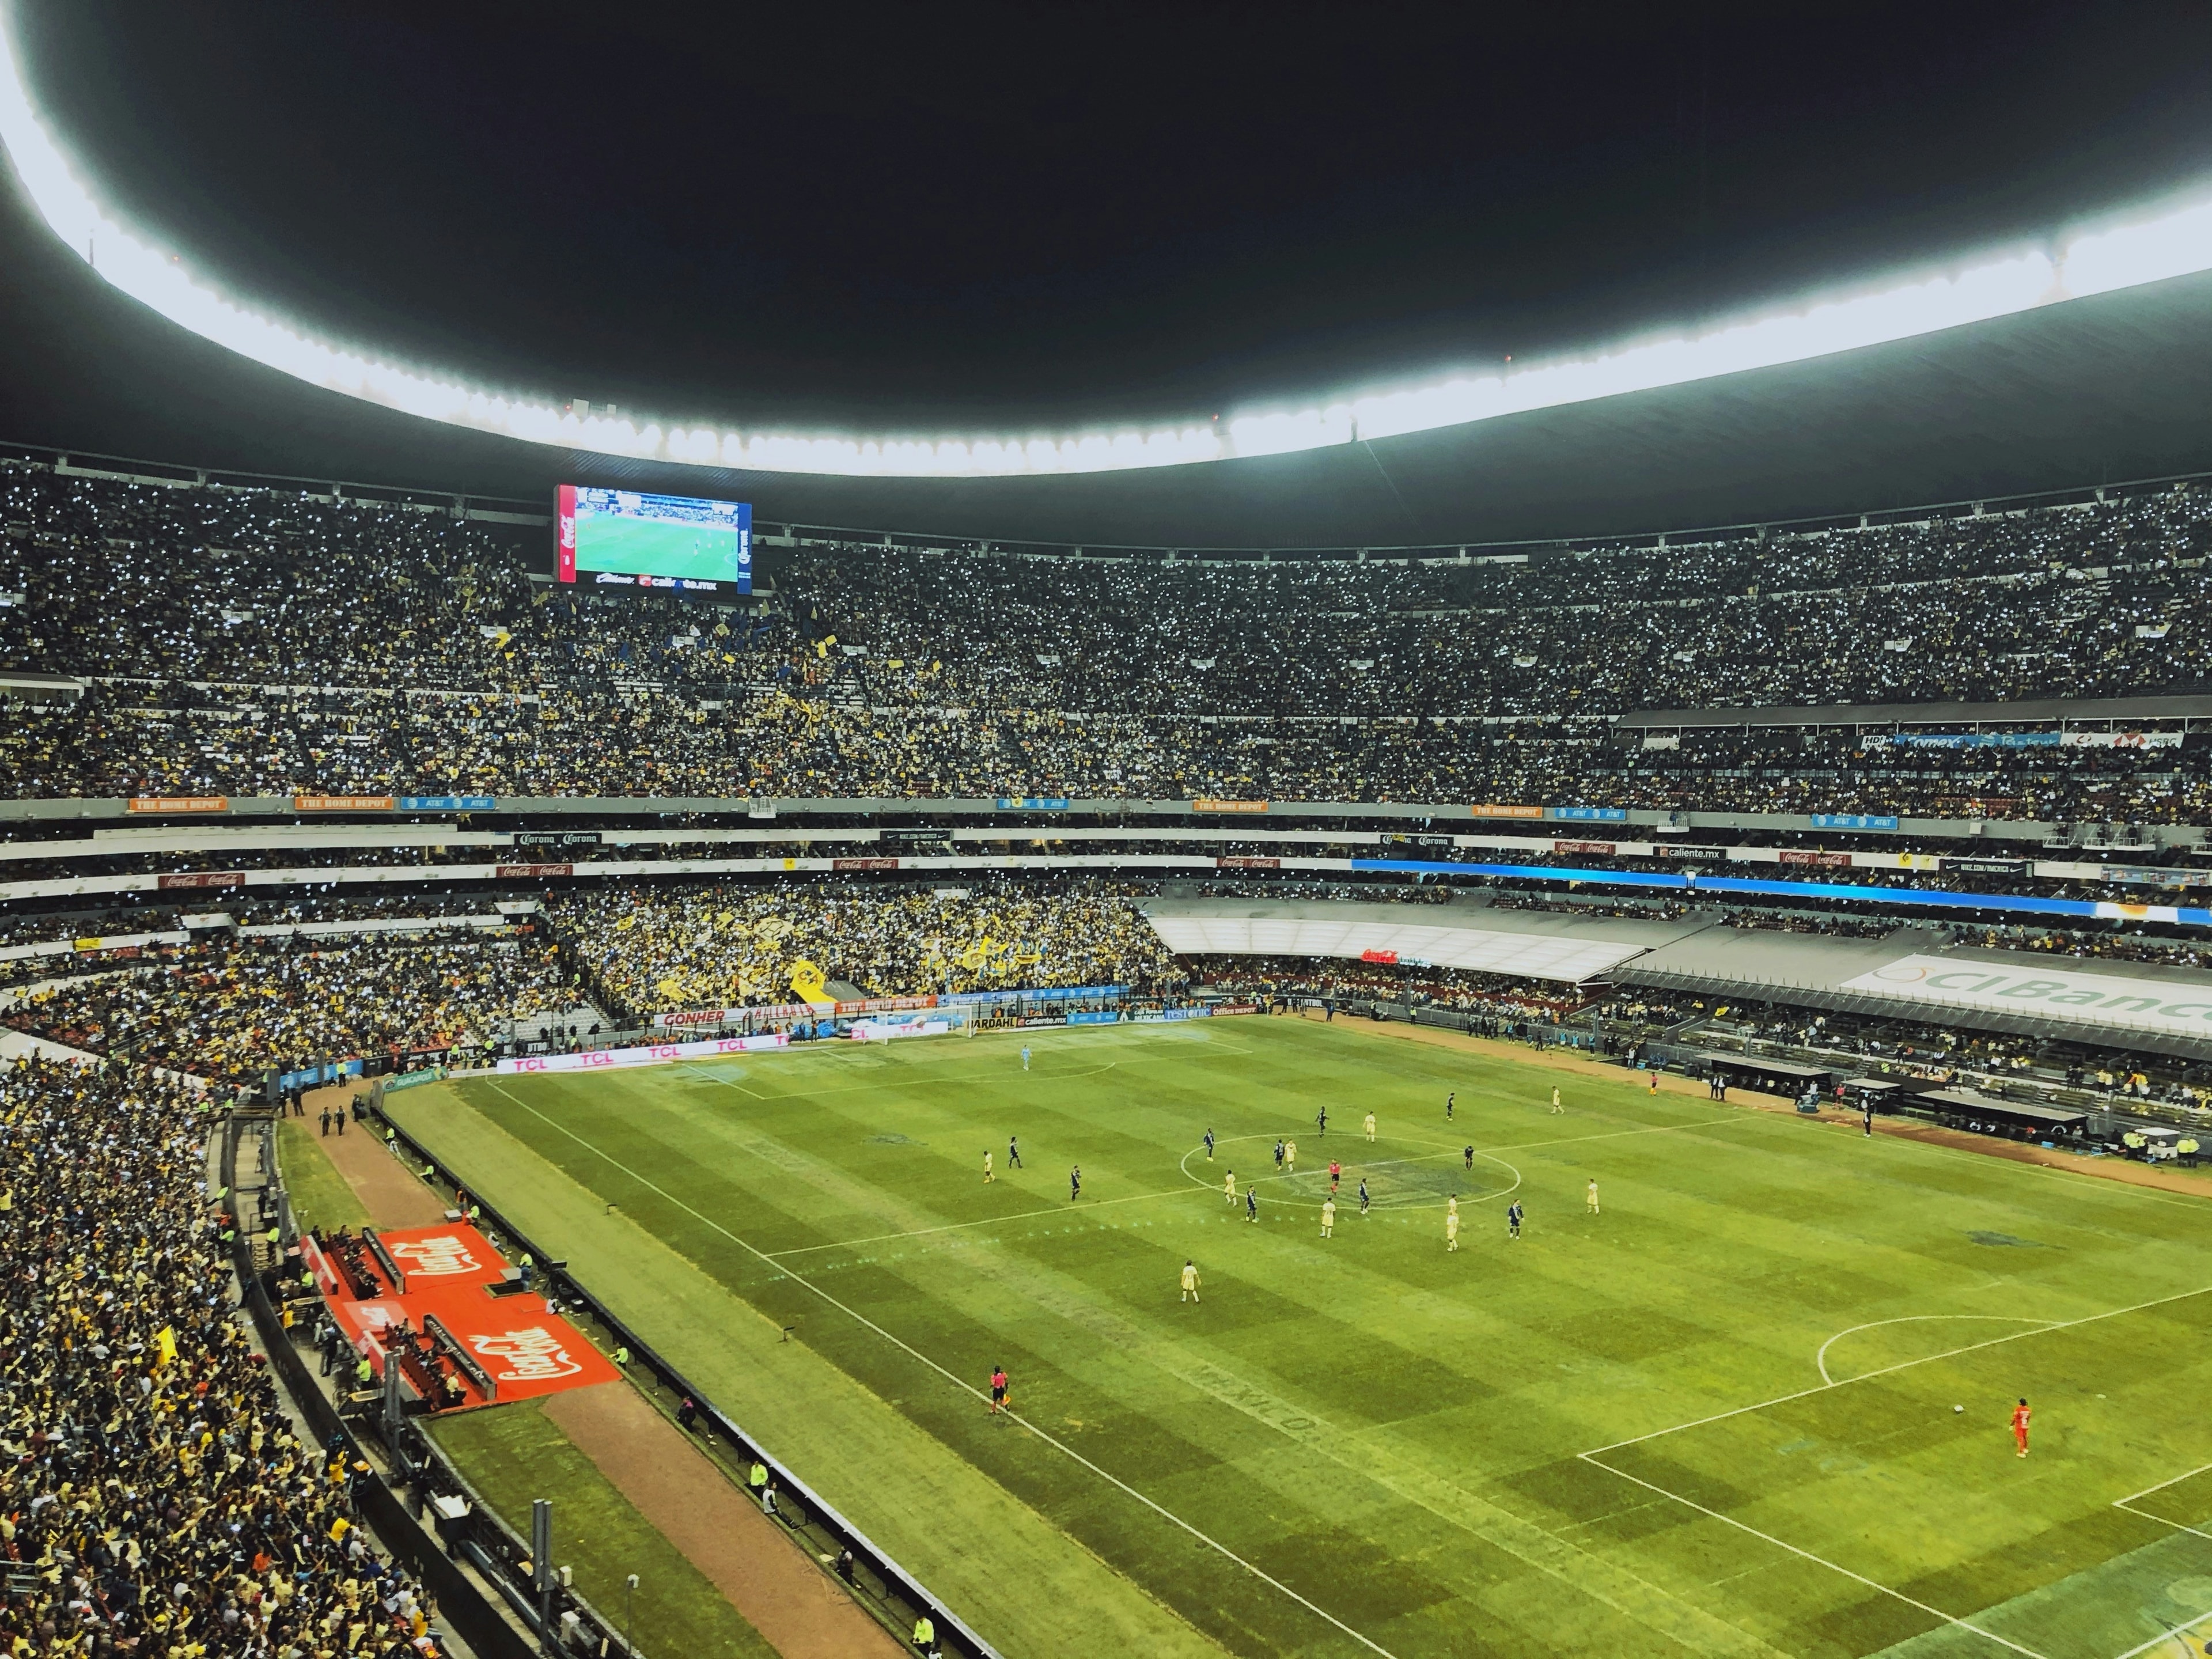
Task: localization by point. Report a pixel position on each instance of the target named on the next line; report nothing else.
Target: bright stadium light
(2173, 239)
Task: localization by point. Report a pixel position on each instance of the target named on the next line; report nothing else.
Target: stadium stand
(2045, 668)
(244, 641)
(238, 1011)
(655, 951)
(157, 1498)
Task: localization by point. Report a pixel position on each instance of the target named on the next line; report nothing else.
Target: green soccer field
(705, 552)
(1715, 1417)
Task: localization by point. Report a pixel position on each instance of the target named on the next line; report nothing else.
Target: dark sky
(984, 216)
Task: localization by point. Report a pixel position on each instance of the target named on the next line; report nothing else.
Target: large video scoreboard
(625, 538)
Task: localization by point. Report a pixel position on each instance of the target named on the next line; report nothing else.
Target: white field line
(1820, 1359)
(2168, 1635)
(968, 1389)
(1445, 1152)
(2119, 1502)
(987, 1221)
(1902, 1366)
(1596, 1460)
(1807, 1555)
(2129, 1505)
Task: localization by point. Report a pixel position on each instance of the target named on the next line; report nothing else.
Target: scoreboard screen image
(625, 538)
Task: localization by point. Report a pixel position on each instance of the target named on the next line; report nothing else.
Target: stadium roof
(2111, 388)
(2019, 1111)
(1531, 944)
(2035, 710)
(2102, 388)
(1910, 975)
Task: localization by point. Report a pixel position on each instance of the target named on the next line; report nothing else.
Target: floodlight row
(2174, 238)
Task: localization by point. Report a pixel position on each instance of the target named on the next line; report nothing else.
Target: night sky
(987, 217)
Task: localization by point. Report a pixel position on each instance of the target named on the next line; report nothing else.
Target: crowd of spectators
(663, 949)
(246, 641)
(231, 1010)
(1462, 990)
(1948, 1055)
(155, 1499)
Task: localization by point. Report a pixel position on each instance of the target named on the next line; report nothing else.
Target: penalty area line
(968, 1389)
(2045, 1329)
(1592, 1459)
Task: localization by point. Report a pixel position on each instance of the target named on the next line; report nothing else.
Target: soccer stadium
(1244, 891)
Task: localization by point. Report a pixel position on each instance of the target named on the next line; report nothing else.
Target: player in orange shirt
(2019, 1415)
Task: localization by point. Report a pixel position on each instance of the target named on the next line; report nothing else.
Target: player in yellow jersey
(1591, 1198)
(1228, 1187)
(1291, 1157)
(1370, 1126)
(1451, 1230)
(1556, 1107)
(1328, 1218)
(1190, 1281)
(987, 1176)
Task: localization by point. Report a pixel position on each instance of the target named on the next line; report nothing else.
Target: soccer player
(1328, 1218)
(1336, 1175)
(1370, 1126)
(998, 1389)
(1279, 1155)
(1025, 1056)
(1556, 1107)
(1513, 1219)
(1291, 1157)
(1655, 1080)
(1190, 1281)
(2019, 1415)
(1362, 1194)
(1251, 1204)
(1013, 1152)
(1074, 1181)
(1451, 1230)
(1467, 1153)
(1209, 1145)
(1591, 1199)
(1450, 1101)
(1228, 1187)
(1320, 1120)
(1867, 1105)
(988, 1176)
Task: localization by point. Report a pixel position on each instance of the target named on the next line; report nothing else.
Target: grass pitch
(1715, 1417)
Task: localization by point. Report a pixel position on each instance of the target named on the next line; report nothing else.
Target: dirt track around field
(392, 1197)
(798, 1608)
(2018, 1151)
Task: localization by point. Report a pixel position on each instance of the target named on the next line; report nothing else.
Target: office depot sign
(650, 1054)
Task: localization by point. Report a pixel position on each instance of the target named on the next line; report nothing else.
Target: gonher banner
(2138, 1003)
